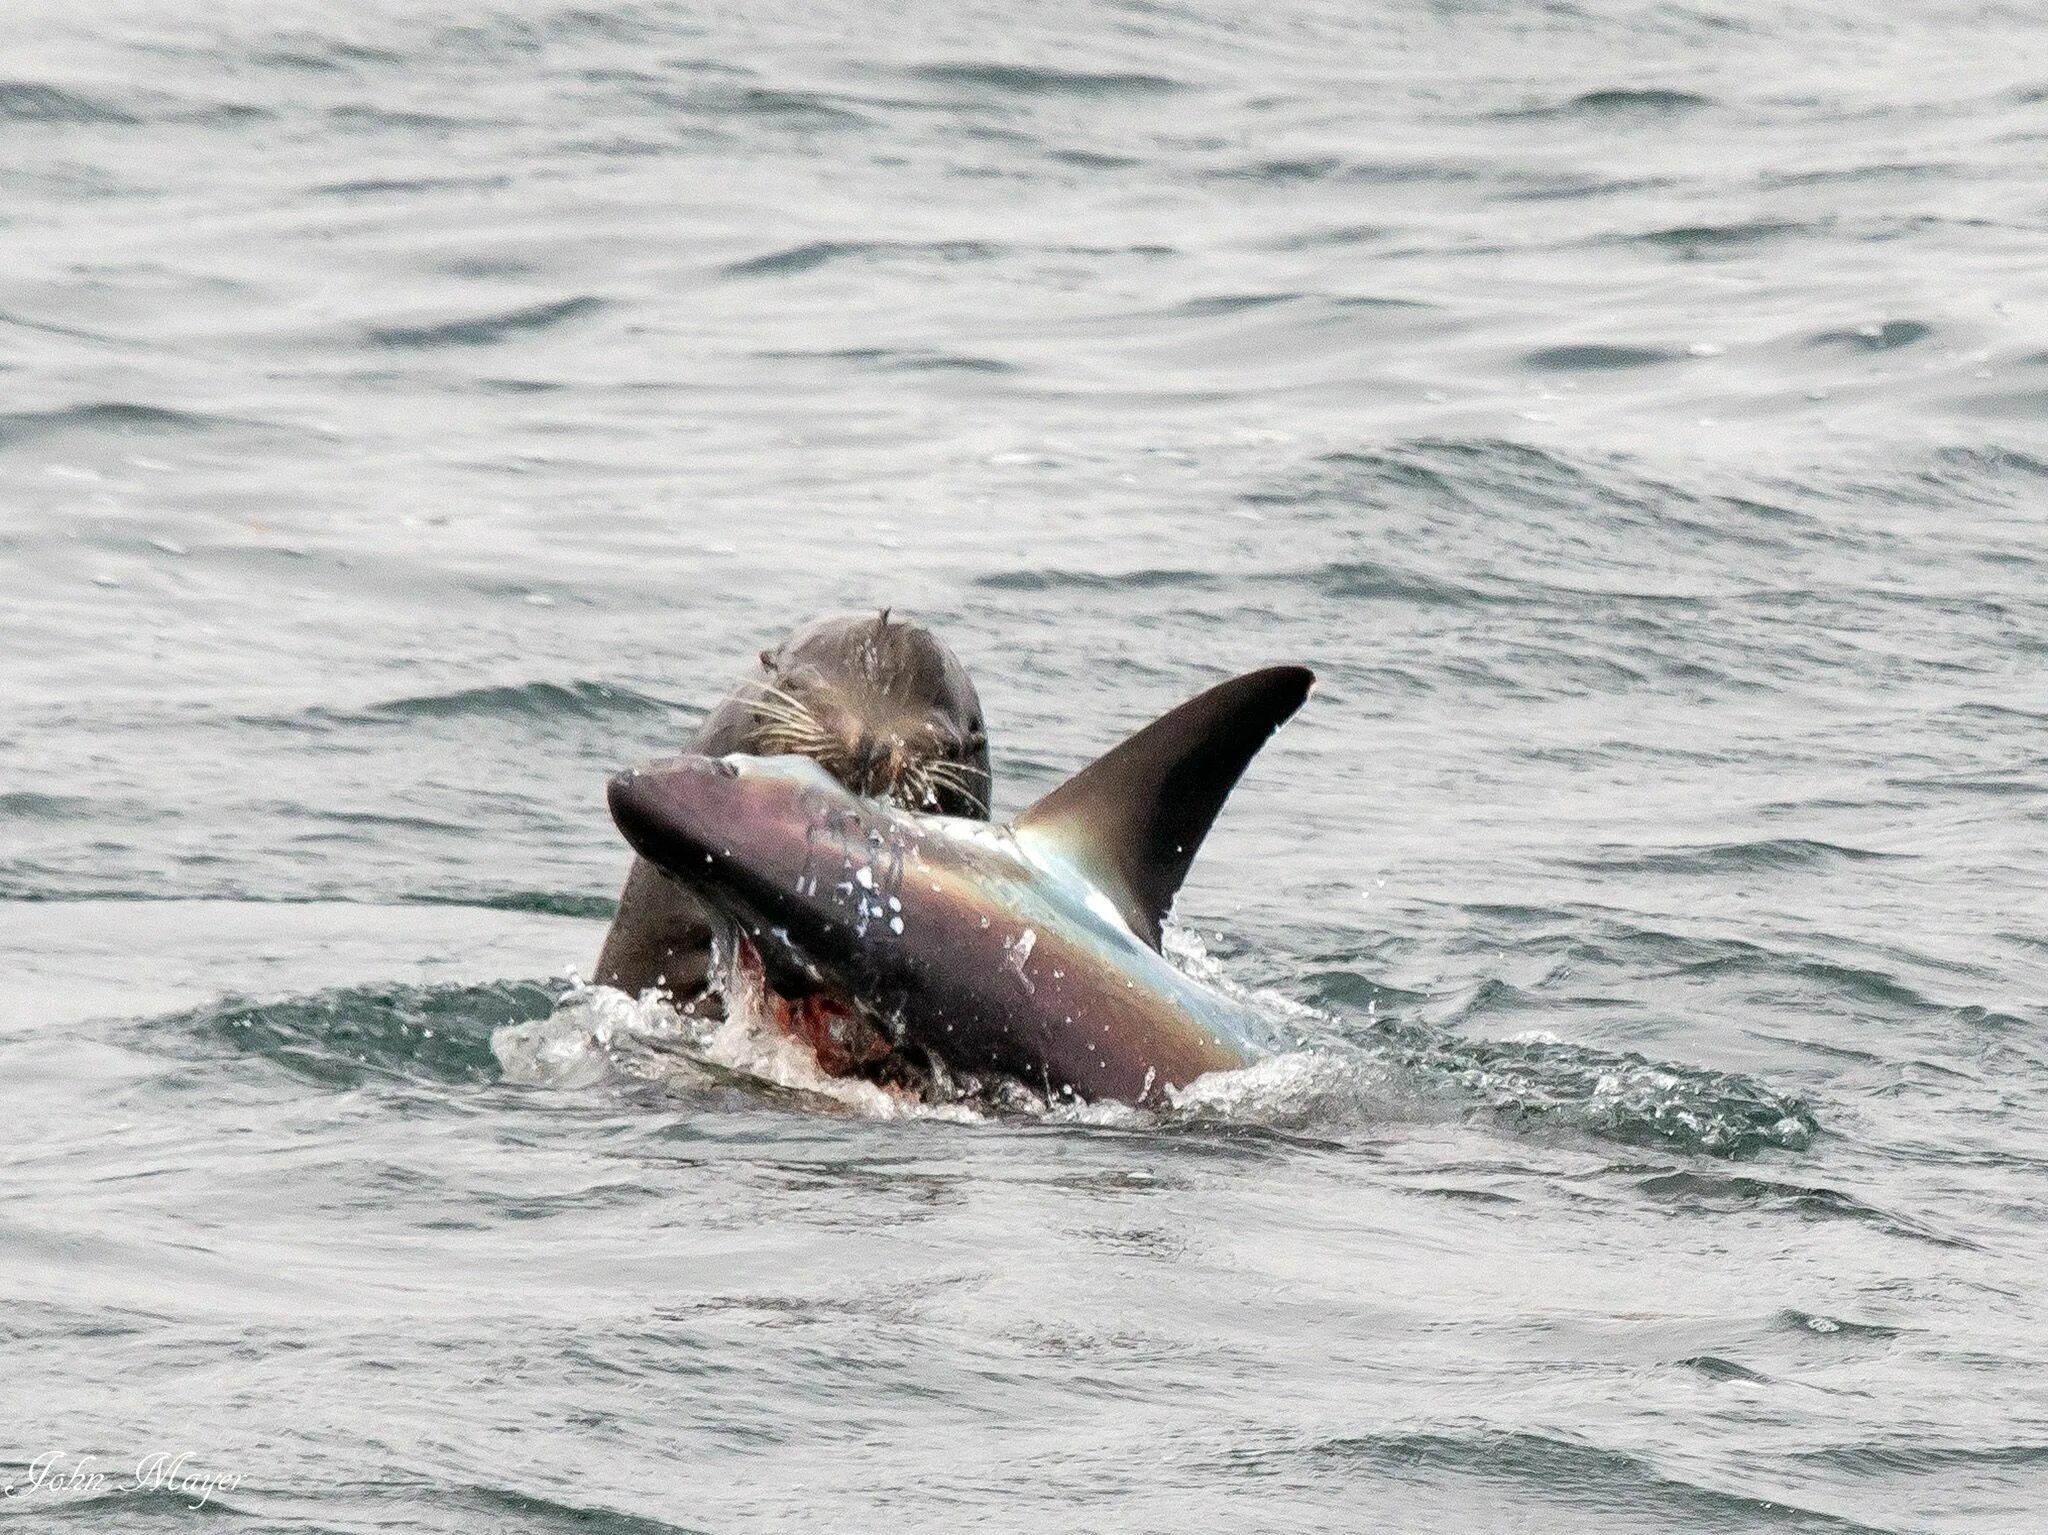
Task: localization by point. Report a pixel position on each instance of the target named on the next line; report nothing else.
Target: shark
(1029, 950)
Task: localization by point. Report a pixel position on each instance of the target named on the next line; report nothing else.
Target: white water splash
(598, 1033)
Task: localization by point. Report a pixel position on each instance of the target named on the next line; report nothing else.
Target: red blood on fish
(840, 1038)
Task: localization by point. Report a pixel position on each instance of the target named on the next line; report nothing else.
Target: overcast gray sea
(1636, 413)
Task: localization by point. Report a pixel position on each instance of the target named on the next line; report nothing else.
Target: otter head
(882, 705)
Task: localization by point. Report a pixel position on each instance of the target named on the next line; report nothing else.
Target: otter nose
(868, 754)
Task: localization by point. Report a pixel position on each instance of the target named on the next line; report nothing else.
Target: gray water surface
(1637, 414)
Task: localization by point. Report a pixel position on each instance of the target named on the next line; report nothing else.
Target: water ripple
(29, 101)
(488, 329)
(116, 417)
(1028, 80)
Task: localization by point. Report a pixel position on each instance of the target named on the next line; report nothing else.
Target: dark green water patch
(1537, 1083)
(1595, 358)
(354, 1035)
(31, 101)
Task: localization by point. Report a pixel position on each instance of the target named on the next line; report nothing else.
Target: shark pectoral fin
(1131, 821)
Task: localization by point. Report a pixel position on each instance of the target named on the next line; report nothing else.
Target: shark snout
(652, 806)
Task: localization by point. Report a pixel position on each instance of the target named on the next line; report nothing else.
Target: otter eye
(951, 740)
(725, 767)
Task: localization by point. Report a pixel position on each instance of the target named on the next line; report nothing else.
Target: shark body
(1030, 949)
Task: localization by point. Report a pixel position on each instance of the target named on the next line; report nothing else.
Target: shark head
(774, 844)
(1030, 948)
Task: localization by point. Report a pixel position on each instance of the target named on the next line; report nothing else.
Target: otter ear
(1131, 821)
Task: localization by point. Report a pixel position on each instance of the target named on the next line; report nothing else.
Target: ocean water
(1634, 412)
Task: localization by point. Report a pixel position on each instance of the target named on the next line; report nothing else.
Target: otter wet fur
(880, 703)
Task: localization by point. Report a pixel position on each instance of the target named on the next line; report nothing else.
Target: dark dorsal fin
(1132, 819)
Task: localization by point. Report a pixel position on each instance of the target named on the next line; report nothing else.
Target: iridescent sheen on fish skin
(1029, 949)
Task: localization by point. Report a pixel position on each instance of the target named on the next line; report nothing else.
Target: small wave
(1595, 357)
(530, 700)
(1721, 1192)
(1652, 100)
(489, 329)
(1459, 472)
(1234, 303)
(1889, 336)
(1539, 1082)
(893, 360)
(1027, 80)
(325, 54)
(1918, 1458)
(31, 101)
(1370, 581)
(1810, 1322)
(410, 185)
(539, 903)
(1608, 105)
(1698, 240)
(220, 112)
(114, 416)
(1713, 1367)
(1565, 186)
(507, 1507)
(803, 109)
(354, 1035)
(541, 702)
(1731, 857)
(1284, 172)
(2016, 404)
(138, 1505)
(1863, 176)
(1093, 159)
(1572, 1471)
(52, 328)
(1873, 987)
(1096, 580)
(363, 115)
(798, 259)
(26, 805)
(1335, 234)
